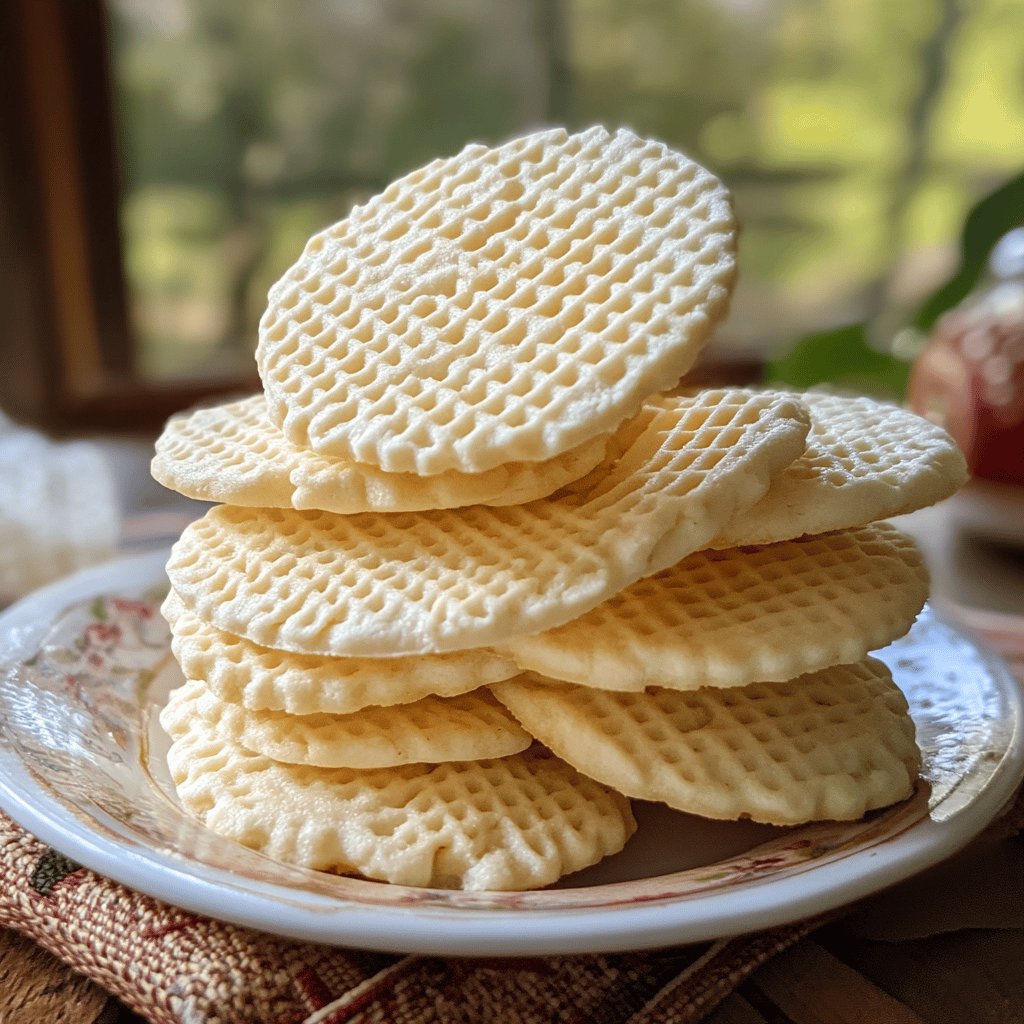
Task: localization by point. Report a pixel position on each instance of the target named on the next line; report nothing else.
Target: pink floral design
(142, 609)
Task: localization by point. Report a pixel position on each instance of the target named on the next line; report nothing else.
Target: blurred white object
(59, 508)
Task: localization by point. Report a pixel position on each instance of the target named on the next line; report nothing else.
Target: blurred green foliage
(987, 222)
(855, 135)
(844, 357)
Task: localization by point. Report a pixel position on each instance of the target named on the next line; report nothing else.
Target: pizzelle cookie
(432, 730)
(865, 460)
(502, 305)
(830, 745)
(232, 453)
(742, 615)
(516, 822)
(241, 672)
(413, 583)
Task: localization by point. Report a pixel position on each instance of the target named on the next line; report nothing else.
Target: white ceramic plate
(86, 664)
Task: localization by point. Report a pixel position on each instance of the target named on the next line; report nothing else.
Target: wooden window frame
(71, 358)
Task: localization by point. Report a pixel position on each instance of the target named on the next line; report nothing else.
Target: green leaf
(1000, 211)
(841, 357)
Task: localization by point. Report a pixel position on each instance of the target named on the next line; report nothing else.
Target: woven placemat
(174, 967)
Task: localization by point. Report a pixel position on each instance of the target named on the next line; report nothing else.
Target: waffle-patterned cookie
(234, 454)
(834, 744)
(260, 679)
(518, 822)
(421, 582)
(431, 731)
(742, 615)
(502, 305)
(864, 461)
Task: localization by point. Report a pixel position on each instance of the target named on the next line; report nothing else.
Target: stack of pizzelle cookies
(475, 579)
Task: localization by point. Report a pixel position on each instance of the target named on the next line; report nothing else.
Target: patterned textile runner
(174, 967)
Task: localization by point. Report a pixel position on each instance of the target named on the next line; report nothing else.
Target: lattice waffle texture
(864, 461)
(834, 744)
(742, 615)
(232, 453)
(432, 730)
(376, 585)
(517, 822)
(260, 679)
(502, 305)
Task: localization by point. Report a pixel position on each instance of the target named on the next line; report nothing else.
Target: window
(185, 149)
